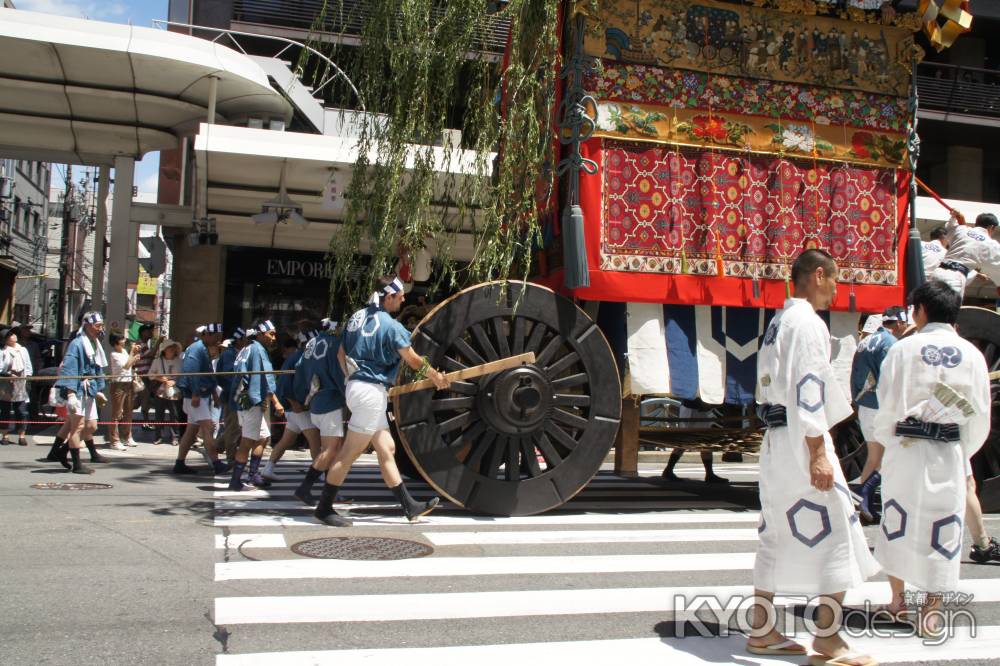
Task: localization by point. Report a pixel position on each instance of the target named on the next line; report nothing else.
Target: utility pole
(64, 254)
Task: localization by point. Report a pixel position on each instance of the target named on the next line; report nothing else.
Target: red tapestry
(661, 220)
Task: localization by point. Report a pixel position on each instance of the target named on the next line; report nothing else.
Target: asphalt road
(166, 570)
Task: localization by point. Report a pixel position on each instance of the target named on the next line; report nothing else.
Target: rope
(116, 378)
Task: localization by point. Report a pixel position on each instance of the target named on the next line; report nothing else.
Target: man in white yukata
(935, 250)
(811, 541)
(934, 413)
(971, 251)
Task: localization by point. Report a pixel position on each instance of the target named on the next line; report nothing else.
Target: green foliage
(420, 70)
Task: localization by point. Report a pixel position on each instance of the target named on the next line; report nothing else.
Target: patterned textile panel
(755, 213)
(704, 352)
(678, 106)
(724, 38)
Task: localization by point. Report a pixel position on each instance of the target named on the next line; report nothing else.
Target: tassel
(574, 249)
(720, 266)
(684, 262)
(788, 287)
(756, 287)
(852, 301)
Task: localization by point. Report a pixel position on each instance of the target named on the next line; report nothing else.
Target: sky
(136, 12)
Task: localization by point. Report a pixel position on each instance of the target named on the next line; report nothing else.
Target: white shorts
(85, 406)
(367, 403)
(298, 421)
(254, 423)
(866, 419)
(330, 424)
(953, 279)
(203, 412)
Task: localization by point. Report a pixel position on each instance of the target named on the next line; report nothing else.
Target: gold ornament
(944, 21)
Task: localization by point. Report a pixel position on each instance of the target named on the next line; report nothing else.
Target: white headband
(265, 326)
(200, 330)
(212, 328)
(239, 334)
(93, 318)
(328, 325)
(393, 287)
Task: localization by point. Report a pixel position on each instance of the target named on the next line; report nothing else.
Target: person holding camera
(122, 391)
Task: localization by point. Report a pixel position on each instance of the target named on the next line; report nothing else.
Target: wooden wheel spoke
(569, 419)
(463, 402)
(519, 323)
(479, 448)
(560, 436)
(578, 379)
(466, 440)
(455, 423)
(543, 357)
(570, 400)
(562, 364)
(530, 458)
(503, 344)
(465, 388)
(496, 458)
(452, 365)
(484, 341)
(512, 468)
(552, 457)
(468, 352)
(535, 339)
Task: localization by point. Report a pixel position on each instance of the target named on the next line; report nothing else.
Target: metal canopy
(79, 91)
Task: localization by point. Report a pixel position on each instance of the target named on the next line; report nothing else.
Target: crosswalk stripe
(563, 518)
(984, 645)
(588, 536)
(524, 603)
(271, 540)
(481, 566)
(385, 495)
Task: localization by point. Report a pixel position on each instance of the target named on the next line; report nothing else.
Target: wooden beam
(627, 440)
(467, 373)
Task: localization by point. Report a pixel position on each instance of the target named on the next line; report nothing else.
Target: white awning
(239, 168)
(80, 91)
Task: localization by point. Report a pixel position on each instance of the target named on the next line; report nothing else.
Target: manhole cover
(72, 486)
(361, 548)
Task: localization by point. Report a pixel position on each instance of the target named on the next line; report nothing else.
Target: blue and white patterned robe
(923, 481)
(811, 541)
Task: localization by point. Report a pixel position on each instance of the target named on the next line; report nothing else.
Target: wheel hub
(517, 401)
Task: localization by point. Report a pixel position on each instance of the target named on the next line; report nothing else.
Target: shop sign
(297, 268)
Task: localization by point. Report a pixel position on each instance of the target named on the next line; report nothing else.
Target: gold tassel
(684, 262)
(788, 287)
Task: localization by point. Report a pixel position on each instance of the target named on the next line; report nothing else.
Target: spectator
(147, 353)
(167, 397)
(14, 362)
(120, 425)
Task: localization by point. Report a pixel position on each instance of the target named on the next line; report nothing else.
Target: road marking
(481, 566)
(525, 603)
(494, 538)
(985, 645)
(297, 505)
(272, 540)
(551, 518)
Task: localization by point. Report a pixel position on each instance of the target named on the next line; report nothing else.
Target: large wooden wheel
(981, 327)
(524, 440)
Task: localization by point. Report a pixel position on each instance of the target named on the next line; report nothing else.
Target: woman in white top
(122, 389)
(168, 397)
(14, 362)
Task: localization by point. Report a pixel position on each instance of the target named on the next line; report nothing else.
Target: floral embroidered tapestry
(664, 207)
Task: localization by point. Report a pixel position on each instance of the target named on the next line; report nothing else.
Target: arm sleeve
(29, 369)
(978, 427)
(399, 336)
(888, 399)
(70, 368)
(989, 261)
(816, 402)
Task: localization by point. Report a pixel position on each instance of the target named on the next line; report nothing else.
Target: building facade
(24, 211)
